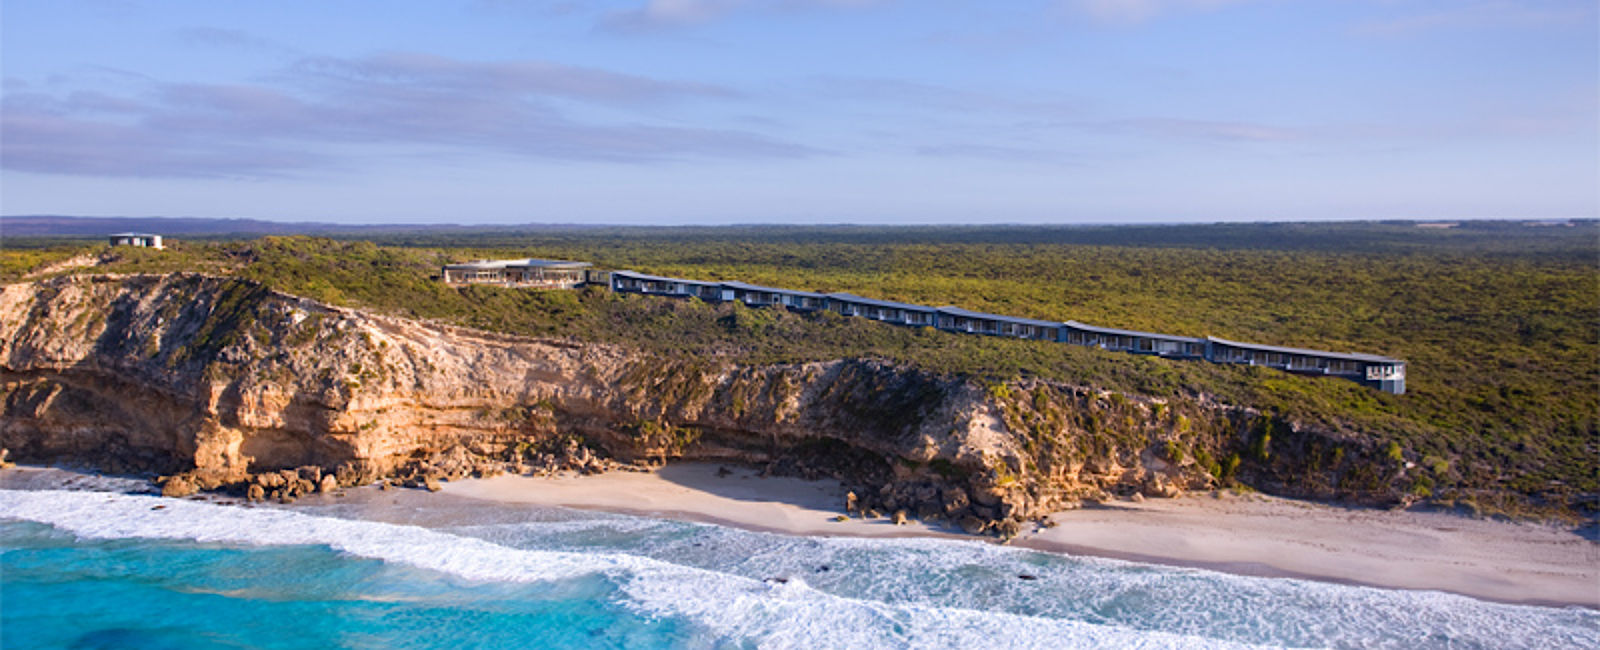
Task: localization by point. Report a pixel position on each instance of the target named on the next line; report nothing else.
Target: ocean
(108, 569)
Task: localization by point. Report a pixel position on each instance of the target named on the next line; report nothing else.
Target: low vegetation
(1497, 320)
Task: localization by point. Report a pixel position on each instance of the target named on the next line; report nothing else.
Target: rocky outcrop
(222, 383)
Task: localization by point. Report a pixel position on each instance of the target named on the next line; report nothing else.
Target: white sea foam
(968, 576)
(788, 614)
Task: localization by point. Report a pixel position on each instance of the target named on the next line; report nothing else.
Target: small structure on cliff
(524, 273)
(137, 239)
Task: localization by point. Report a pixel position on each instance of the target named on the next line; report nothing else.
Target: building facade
(1383, 373)
(523, 273)
(137, 239)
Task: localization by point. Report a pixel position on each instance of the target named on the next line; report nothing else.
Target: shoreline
(1249, 534)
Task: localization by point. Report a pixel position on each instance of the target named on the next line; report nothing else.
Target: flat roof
(1346, 356)
(850, 297)
(733, 284)
(660, 278)
(133, 234)
(957, 311)
(1116, 332)
(553, 264)
(525, 262)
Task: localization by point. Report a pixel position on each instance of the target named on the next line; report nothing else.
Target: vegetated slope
(229, 384)
(1503, 393)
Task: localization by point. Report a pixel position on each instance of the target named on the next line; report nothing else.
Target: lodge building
(137, 239)
(524, 273)
(1380, 372)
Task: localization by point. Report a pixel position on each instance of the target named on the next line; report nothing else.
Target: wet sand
(1246, 534)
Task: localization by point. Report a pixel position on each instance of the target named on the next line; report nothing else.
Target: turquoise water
(103, 570)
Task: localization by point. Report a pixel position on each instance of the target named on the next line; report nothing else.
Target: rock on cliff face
(232, 385)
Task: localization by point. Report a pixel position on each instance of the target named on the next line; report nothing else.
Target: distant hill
(61, 226)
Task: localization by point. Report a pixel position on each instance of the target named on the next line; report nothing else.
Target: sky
(801, 111)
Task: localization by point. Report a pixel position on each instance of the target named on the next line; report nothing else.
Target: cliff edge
(220, 383)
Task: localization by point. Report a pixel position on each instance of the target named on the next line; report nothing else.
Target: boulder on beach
(955, 499)
(972, 525)
(177, 486)
(899, 517)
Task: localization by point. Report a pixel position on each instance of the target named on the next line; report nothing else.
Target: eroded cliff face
(227, 383)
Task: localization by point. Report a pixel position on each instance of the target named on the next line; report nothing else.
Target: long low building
(1166, 345)
(528, 273)
(899, 313)
(1383, 373)
(956, 319)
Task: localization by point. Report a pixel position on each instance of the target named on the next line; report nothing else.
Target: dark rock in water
(1027, 576)
(824, 569)
(777, 580)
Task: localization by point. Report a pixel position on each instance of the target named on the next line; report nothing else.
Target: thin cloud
(54, 144)
(405, 100)
(1204, 129)
(426, 71)
(659, 14)
(221, 38)
(656, 15)
(1000, 153)
(926, 96)
(1127, 12)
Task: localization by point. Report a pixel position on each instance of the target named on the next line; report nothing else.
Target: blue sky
(801, 111)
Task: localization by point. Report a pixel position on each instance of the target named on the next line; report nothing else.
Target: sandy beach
(1245, 534)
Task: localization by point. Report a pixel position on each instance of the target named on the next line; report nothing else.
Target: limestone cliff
(227, 383)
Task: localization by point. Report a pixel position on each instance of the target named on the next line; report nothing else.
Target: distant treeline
(1569, 237)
